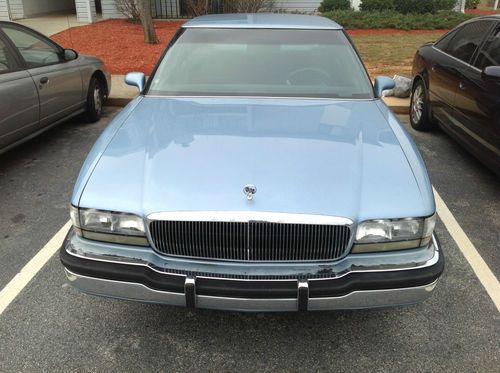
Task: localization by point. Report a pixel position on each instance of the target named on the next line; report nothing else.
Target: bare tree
(129, 9)
(147, 22)
(197, 7)
(248, 6)
(201, 7)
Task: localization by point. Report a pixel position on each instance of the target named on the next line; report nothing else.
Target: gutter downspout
(8, 10)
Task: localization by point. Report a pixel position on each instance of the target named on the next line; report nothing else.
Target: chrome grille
(250, 241)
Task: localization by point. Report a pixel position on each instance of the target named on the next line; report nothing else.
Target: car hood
(328, 157)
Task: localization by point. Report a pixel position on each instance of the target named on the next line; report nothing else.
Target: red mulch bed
(120, 44)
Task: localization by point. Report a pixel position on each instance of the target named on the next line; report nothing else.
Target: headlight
(393, 234)
(109, 226)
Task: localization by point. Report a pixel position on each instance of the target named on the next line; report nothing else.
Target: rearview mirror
(492, 72)
(382, 83)
(70, 55)
(136, 80)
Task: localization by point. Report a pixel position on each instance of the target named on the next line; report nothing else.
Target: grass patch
(351, 19)
(392, 53)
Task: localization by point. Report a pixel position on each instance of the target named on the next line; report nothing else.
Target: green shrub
(329, 5)
(423, 6)
(371, 5)
(351, 19)
(471, 4)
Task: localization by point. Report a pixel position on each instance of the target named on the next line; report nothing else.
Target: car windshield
(262, 62)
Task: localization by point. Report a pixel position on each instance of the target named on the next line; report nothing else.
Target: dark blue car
(457, 86)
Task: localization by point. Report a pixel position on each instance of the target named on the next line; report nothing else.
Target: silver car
(43, 84)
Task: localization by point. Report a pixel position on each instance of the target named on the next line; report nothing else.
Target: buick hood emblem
(249, 191)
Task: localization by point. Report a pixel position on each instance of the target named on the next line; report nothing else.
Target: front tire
(95, 98)
(420, 118)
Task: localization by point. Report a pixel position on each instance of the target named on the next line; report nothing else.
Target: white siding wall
(4, 11)
(460, 7)
(16, 9)
(109, 9)
(164, 7)
(170, 6)
(85, 11)
(298, 5)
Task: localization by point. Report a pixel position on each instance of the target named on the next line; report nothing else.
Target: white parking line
(479, 266)
(19, 282)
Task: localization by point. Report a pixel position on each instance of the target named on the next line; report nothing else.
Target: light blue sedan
(258, 170)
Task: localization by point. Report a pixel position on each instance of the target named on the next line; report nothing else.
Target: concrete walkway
(122, 93)
(50, 25)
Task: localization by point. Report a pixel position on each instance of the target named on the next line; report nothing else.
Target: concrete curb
(403, 110)
(117, 101)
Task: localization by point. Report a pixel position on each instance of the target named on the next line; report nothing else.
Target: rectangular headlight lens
(111, 222)
(109, 226)
(393, 234)
(389, 230)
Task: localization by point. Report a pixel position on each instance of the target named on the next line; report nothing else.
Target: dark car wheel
(95, 97)
(420, 118)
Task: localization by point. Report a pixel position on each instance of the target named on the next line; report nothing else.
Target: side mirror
(382, 83)
(136, 80)
(70, 55)
(492, 73)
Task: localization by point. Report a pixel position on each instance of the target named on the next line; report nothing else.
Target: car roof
(494, 16)
(490, 17)
(263, 21)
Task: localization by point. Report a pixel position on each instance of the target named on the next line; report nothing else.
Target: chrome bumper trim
(354, 300)
(124, 290)
(246, 304)
(373, 298)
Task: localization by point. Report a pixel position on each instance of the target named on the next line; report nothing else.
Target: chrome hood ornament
(249, 191)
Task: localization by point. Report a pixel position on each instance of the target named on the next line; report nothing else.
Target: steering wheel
(307, 76)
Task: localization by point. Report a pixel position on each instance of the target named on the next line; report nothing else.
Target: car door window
(442, 43)
(6, 58)
(35, 50)
(467, 39)
(490, 52)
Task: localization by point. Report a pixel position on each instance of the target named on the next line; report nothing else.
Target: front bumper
(357, 281)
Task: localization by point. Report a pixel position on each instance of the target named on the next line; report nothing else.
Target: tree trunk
(147, 22)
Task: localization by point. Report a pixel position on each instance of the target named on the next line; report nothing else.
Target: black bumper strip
(123, 272)
(263, 289)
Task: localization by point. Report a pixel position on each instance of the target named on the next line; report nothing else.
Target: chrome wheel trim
(417, 104)
(97, 99)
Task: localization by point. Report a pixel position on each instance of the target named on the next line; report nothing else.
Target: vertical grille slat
(250, 241)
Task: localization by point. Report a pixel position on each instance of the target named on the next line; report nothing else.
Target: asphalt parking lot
(52, 327)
